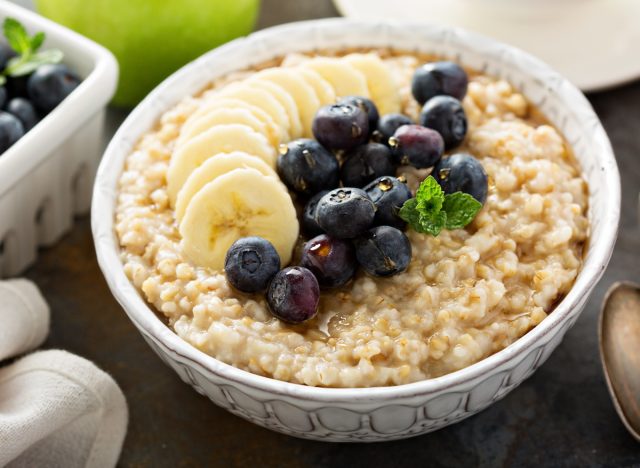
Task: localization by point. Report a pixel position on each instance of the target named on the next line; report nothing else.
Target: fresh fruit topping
(382, 86)
(331, 260)
(24, 111)
(294, 294)
(231, 111)
(383, 251)
(240, 203)
(345, 212)
(250, 264)
(49, 85)
(323, 89)
(388, 195)
(432, 210)
(345, 79)
(216, 140)
(387, 126)
(214, 167)
(11, 130)
(367, 106)
(262, 99)
(303, 94)
(438, 78)
(310, 225)
(341, 126)
(462, 172)
(307, 167)
(417, 146)
(284, 98)
(366, 163)
(445, 115)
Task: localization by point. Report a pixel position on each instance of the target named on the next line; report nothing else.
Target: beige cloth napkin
(56, 409)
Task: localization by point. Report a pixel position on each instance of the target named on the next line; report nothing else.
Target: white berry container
(381, 413)
(47, 176)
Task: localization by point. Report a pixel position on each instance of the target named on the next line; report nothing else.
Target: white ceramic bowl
(46, 177)
(382, 413)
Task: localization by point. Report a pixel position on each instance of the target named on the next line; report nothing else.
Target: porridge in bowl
(210, 173)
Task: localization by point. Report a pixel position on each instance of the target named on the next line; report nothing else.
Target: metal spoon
(619, 335)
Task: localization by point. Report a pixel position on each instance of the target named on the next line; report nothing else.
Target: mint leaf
(432, 224)
(431, 210)
(430, 196)
(18, 66)
(460, 208)
(36, 41)
(16, 36)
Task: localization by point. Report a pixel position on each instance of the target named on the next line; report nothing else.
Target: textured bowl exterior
(380, 413)
(47, 176)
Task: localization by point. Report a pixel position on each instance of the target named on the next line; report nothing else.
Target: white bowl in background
(47, 176)
(380, 413)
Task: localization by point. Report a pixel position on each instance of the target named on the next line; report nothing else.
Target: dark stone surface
(562, 416)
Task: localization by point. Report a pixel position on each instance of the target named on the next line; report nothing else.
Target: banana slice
(232, 103)
(324, 90)
(240, 203)
(345, 79)
(221, 117)
(262, 99)
(218, 139)
(285, 99)
(302, 93)
(382, 87)
(214, 167)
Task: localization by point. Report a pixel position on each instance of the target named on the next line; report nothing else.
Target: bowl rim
(148, 323)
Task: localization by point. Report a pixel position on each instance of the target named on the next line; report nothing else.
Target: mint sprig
(28, 58)
(432, 210)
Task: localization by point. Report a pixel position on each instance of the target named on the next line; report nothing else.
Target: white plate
(594, 43)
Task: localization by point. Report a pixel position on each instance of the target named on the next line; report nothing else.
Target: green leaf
(425, 223)
(36, 41)
(460, 208)
(409, 212)
(430, 196)
(16, 36)
(432, 224)
(19, 66)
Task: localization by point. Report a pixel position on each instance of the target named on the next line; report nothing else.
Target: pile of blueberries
(351, 209)
(26, 99)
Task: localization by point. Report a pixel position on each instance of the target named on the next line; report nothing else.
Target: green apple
(153, 38)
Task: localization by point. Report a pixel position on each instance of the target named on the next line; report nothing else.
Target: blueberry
(332, 260)
(24, 111)
(294, 294)
(383, 251)
(438, 78)
(388, 125)
(365, 163)
(309, 223)
(367, 105)
(307, 167)
(50, 84)
(445, 115)
(6, 53)
(462, 172)
(17, 86)
(388, 194)
(341, 126)
(416, 146)
(345, 212)
(11, 130)
(250, 264)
